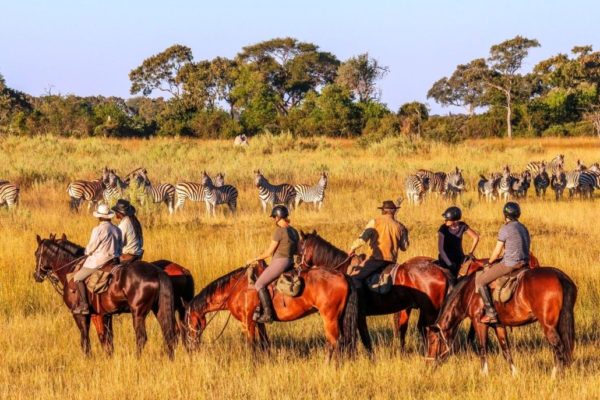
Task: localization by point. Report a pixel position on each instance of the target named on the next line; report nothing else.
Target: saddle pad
(97, 283)
(382, 282)
(504, 287)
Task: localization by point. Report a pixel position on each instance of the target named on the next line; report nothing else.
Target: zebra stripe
(505, 184)
(454, 183)
(215, 195)
(520, 184)
(9, 194)
(488, 188)
(436, 180)
(558, 182)
(273, 194)
(188, 190)
(580, 182)
(312, 194)
(115, 187)
(161, 193)
(541, 181)
(90, 191)
(535, 166)
(416, 188)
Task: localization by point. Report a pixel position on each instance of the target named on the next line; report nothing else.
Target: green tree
(360, 74)
(413, 115)
(160, 72)
(463, 88)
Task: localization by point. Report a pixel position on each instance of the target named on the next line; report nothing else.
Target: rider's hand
(351, 253)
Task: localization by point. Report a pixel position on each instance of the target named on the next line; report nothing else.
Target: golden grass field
(40, 356)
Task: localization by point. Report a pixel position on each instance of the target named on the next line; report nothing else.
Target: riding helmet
(280, 211)
(512, 210)
(452, 214)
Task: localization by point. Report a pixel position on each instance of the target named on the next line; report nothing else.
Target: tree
(160, 72)
(289, 68)
(463, 88)
(413, 116)
(360, 74)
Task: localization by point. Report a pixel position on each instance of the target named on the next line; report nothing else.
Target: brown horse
(138, 288)
(544, 294)
(327, 292)
(419, 283)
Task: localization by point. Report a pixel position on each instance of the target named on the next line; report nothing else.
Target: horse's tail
(566, 320)
(166, 312)
(349, 319)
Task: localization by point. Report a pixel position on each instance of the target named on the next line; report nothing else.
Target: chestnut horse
(328, 292)
(138, 288)
(419, 283)
(543, 294)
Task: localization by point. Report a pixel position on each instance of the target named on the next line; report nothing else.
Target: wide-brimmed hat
(103, 212)
(124, 207)
(389, 205)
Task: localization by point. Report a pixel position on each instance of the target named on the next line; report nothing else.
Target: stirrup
(489, 318)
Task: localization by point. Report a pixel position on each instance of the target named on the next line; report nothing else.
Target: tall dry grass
(39, 343)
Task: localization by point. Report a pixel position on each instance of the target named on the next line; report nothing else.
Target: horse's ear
(63, 237)
(302, 234)
(185, 303)
(314, 232)
(145, 171)
(52, 236)
(38, 238)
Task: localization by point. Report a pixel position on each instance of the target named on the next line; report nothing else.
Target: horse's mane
(73, 248)
(213, 287)
(453, 302)
(324, 253)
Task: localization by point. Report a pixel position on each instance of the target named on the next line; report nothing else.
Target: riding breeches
(493, 272)
(277, 267)
(83, 274)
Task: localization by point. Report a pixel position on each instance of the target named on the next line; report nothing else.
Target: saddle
(383, 281)
(504, 287)
(100, 280)
(289, 283)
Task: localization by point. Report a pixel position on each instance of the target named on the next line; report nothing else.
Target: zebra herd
(449, 185)
(213, 192)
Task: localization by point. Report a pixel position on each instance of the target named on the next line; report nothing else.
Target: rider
(131, 231)
(514, 239)
(385, 236)
(283, 247)
(450, 236)
(104, 245)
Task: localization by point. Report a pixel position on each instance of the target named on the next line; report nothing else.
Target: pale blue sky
(89, 47)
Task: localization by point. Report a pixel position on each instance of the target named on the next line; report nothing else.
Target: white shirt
(104, 245)
(132, 244)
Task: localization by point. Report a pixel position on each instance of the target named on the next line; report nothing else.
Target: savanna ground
(39, 343)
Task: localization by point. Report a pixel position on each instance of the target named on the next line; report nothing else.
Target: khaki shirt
(132, 244)
(104, 245)
(385, 236)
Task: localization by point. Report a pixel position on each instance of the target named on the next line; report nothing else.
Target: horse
(543, 294)
(419, 283)
(328, 292)
(138, 288)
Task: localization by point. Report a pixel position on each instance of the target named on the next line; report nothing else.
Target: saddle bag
(290, 284)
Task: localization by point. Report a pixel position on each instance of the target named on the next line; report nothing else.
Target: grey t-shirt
(516, 241)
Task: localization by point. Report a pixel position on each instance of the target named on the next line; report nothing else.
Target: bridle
(44, 272)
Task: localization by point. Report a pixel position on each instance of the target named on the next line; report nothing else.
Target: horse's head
(193, 326)
(43, 257)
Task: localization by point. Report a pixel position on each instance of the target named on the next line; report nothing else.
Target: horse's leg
(557, 346)
(481, 330)
(363, 330)
(83, 323)
(332, 334)
(502, 336)
(263, 337)
(401, 326)
(139, 325)
(103, 325)
(426, 318)
(108, 324)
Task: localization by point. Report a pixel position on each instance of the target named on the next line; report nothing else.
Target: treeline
(287, 85)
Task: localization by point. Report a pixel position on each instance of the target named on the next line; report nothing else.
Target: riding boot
(267, 307)
(83, 306)
(490, 317)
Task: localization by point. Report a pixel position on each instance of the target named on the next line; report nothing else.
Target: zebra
(312, 194)
(114, 187)
(416, 188)
(90, 191)
(436, 180)
(273, 194)
(580, 182)
(189, 190)
(558, 182)
(595, 167)
(521, 183)
(552, 166)
(161, 193)
(505, 184)
(580, 166)
(9, 194)
(241, 140)
(541, 181)
(488, 188)
(454, 183)
(215, 195)
(219, 180)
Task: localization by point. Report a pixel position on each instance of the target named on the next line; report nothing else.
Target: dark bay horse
(419, 283)
(327, 292)
(544, 294)
(138, 288)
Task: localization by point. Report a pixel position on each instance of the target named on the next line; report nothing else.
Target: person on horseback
(450, 235)
(104, 245)
(385, 236)
(283, 248)
(514, 240)
(131, 232)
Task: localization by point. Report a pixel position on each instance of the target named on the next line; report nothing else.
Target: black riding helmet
(452, 214)
(280, 211)
(512, 210)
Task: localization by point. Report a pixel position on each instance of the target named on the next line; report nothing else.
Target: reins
(52, 274)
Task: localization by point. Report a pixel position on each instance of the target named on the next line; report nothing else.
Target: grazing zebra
(312, 194)
(558, 182)
(161, 193)
(114, 187)
(454, 183)
(541, 181)
(505, 185)
(9, 194)
(273, 194)
(488, 188)
(436, 180)
(90, 191)
(580, 182)
(416, 188)
(189, 190)
(521, 183)
(215, 195)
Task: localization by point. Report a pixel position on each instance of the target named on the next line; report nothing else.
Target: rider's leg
(277, 267)
(482, 279)
(79, 278)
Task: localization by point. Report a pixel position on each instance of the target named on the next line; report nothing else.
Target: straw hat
(103, 211)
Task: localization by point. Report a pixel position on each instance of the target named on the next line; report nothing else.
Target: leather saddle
(504, 287)
(382, 282)
(100, 280)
